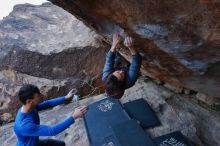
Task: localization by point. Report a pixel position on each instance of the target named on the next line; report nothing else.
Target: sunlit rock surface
(48, 47)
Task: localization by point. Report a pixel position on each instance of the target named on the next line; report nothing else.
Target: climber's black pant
(51, 142)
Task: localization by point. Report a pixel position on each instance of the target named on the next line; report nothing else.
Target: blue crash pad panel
(173, 139)
(141, 111)
(130, 133)
(100, 117)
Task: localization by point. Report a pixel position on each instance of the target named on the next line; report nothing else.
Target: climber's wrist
(113, 48)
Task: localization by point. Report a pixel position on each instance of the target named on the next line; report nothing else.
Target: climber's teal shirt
(27, 125)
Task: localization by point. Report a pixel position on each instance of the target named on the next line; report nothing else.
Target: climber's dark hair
(114, 87)
(27, 92)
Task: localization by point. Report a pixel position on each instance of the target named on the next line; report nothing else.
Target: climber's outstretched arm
(56, 101)
(110, 57)
(136, 60)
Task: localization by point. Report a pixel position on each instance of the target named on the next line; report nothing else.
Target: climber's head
(30, 94)
(115, 84)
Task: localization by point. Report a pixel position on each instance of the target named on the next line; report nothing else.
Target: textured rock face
(179, 39)
(46, 46)
(176, 112)
(44, 29)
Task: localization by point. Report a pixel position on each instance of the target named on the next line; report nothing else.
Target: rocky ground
(175, 111)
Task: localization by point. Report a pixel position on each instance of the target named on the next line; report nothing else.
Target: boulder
(48, 47)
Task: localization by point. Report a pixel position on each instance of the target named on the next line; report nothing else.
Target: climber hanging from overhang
(116, 77)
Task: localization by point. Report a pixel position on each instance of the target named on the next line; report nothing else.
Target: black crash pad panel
(130, 133)
(141, 111)
(173, 139)
(100, 117)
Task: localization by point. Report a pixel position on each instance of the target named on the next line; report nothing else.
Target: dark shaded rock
(179, 40)
(68, 63)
